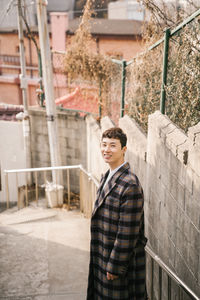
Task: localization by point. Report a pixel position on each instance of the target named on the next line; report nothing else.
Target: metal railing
(87, 189)
(34, 181)
(171, 277)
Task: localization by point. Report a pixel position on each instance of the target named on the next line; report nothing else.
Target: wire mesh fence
(183, 80)
(164, 77)
(143, 84)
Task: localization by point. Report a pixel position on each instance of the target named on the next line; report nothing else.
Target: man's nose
(107, 148)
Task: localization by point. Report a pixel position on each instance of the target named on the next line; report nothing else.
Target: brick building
(121, 38)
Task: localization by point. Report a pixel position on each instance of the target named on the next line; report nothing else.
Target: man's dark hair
(115, 133)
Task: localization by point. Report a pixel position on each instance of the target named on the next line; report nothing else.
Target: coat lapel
(103, 191)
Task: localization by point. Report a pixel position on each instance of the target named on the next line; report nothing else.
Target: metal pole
(48, 85)
(7, 190)
(160, 283)
(169, 287)
(152, 278)
(124, 64)
(24, 85)
(23, 78)
(164, 73)
(68, 190)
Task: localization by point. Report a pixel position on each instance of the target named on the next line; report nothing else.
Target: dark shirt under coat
(117, 239)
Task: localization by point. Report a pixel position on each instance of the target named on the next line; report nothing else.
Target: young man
(117, 256)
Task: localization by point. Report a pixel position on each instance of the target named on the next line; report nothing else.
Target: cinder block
(194, 237)
(171, 206)
(192, 209)
(174, 139)
(172, 229)
(165, 174)
(63, 142)
(74, 143)
(194, 159)
(196, 188)
(194, 134)
(193, 260)
(106, 123)
(177, 191)
(171, 250)
(173, 163)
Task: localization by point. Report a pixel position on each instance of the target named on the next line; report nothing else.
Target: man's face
(112, 152)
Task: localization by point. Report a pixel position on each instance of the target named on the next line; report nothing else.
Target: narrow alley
(44, 254)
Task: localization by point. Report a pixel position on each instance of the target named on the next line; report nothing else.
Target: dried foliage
(143, 92)
(183, 89)
(81, 61)
(183, 86)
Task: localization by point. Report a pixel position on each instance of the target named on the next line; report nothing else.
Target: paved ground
(44, 254)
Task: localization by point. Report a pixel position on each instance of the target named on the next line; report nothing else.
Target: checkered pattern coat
(117, 239)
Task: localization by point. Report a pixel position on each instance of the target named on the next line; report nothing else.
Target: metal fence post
(7, 190)
(164, 73)
(124, 64)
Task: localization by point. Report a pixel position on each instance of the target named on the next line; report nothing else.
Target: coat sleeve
(131, 215)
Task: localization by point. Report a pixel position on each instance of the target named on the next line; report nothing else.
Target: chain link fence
(165, 77)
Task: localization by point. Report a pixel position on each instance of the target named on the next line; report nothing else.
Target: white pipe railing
(85, 194)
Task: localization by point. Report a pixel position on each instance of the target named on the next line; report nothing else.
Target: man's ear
(124, 149)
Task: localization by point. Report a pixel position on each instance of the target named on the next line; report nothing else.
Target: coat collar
(103, 191)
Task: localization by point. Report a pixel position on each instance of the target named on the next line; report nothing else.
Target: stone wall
(72, 138)
(136, 147)
(96, 165)
(172, 198)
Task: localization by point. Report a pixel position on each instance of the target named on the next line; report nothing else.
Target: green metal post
(164, 73)
(124, 64)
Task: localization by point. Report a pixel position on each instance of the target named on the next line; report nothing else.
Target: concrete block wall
(96, 164)
(136, 147)
(172, 197)
(166, 162)
(72, 139)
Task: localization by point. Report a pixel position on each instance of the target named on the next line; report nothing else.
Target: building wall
(128, 47)
(12, 156)
(125, 47)
(10, 91)
(9, 45)
(131, 10)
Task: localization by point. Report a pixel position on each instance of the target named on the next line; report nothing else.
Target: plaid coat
(117, 239)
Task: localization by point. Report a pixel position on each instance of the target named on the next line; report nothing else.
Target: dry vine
(81, 61)
(183, 89)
